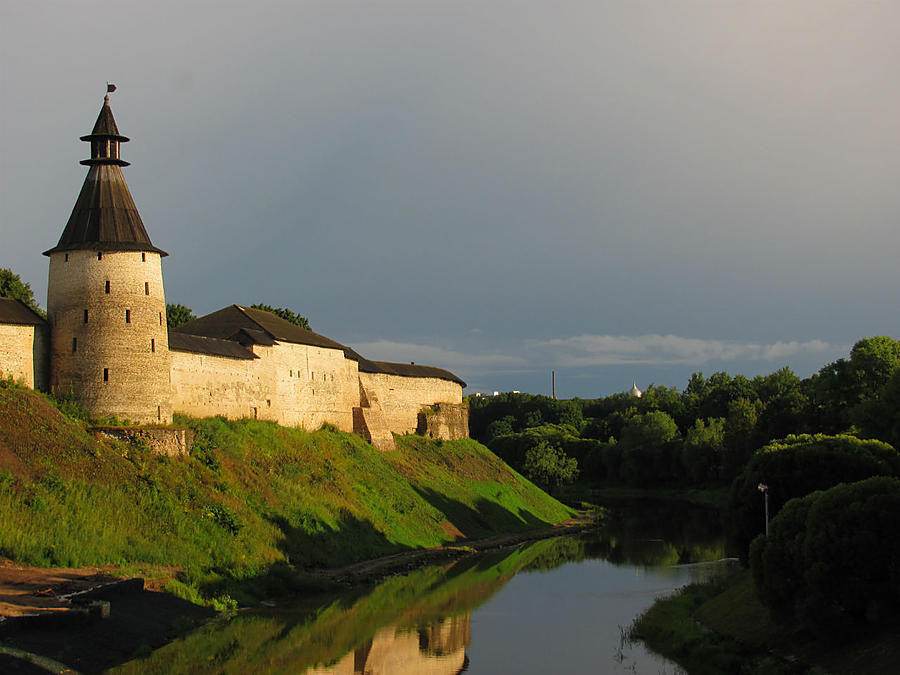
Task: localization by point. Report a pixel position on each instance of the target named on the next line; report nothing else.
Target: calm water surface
(554, 606)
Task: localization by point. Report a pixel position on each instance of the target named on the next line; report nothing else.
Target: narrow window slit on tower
(143, 257)
(99, 255)
(160, 318)
(85, 316)
(159, 412)
(74, 344)
(146, 288)
(106, 374)
(67, 257)
(152, 344)
(127, 316)
(107, 285)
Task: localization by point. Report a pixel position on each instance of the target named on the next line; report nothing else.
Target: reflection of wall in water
(439, 649)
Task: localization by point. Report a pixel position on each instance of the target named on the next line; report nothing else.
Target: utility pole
(762, 487)
(553, 383)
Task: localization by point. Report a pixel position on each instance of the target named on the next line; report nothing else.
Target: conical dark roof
(105, 126)
(104, 217)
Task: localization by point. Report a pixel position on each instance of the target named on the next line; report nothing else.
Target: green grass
(250, 501)
(722, 627)
(670, 627)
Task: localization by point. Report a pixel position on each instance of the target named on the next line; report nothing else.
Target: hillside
(252, 500)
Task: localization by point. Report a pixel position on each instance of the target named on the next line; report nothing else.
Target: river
(553, 606)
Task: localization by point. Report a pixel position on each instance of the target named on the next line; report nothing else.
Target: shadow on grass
(486, 518)
(350, 540)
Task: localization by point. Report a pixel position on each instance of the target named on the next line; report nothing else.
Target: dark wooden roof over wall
(255, 326)
(182, 342)
(17, 312)
(415, 370)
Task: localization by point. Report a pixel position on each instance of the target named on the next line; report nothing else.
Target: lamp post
(762, 487)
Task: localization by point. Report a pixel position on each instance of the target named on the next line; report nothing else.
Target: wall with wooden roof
(23, 354)
(291, 384)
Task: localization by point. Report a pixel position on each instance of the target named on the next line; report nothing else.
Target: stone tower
(105, 303)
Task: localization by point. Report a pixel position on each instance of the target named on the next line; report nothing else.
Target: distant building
(110, 348)
(634, 391)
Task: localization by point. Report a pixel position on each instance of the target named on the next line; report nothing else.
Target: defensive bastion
(105, 342)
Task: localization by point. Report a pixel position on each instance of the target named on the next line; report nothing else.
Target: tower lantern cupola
(105, 139)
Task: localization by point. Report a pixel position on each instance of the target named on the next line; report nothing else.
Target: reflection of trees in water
(413, 623)
(648, 535)
(419, 623)
(661, 533)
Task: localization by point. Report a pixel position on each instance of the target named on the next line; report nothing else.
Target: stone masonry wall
(291, 384)
(110, 349)
(402, 398)
(448, 421)
(23, 354)
(171, 441)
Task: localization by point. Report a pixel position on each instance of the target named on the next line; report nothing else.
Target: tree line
(823, 448)
(705, 434)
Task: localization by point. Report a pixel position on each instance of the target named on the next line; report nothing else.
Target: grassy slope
(252, 497)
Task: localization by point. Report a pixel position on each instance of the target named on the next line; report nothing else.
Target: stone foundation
(174, 442)
(448, 421)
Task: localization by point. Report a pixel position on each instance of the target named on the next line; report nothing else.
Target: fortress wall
(206, 386)
(291, 384)
(309, 385)
(402, 398)
(124, 334)
(23, 354)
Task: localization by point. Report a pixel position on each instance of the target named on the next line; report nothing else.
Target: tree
(740, 435)
(875, 360)
(797, 465)
(647, 442)
(880, 417)
(285, 314)
(701, 453)
(11, 286)
(178, 315)
(840, 387)
(548, 466)
(831, 557)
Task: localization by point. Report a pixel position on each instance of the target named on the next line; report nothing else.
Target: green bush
(832, 559)
(797, 465)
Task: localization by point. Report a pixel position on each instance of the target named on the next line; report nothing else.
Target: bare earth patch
(31, 590)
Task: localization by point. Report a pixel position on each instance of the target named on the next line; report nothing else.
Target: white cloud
(596, 351)
(404, 352)
(605, 350)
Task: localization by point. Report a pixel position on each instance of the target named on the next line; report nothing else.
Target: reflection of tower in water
(437, 649)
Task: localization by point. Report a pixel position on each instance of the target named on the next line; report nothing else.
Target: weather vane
(110, 87)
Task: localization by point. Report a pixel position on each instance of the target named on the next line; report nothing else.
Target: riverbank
(253, 503)
(140, 620)
(614, 495)
(722, 627)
